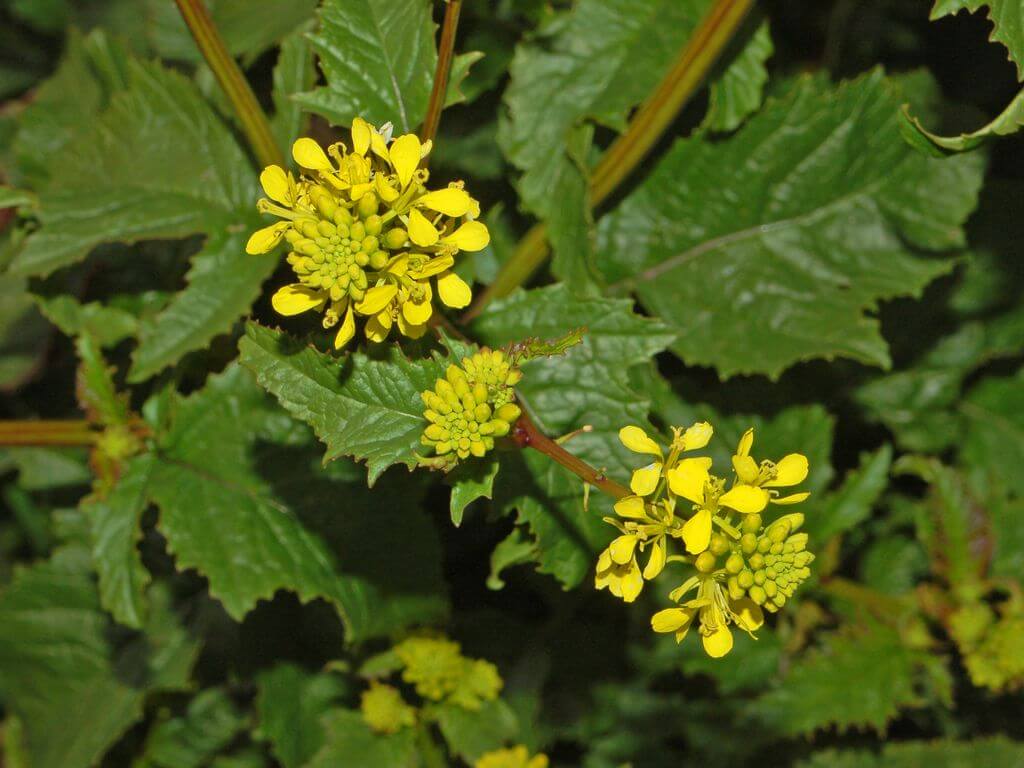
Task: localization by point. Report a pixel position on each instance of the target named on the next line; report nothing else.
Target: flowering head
(367, 238)
(513, 757)
(437, 669)
(469, 408)
(384, 709)
(742, 567)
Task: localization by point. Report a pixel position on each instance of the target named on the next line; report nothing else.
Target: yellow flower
(715, 611)
(465, 415)
(514, 757)
(749, 494)
(622, 579)
(439, 671)
(367, 238)
(384, 710)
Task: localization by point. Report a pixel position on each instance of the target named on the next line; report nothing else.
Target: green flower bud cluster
(766, 565)
(384, 709)
(439, 672)
(335, 252)
(992, 646)
(469, 408)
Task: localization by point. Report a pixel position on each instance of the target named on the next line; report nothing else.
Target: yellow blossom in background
(514, 757)
(742, 566)
(439, 672)
(384, 709)
(367, 238)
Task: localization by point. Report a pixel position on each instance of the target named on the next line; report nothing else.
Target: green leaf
(94, 386)
(76, 692)
(589, 385)
(378, 59)
(158, 163)
(23, 333)
(470, 481)
(115, 525)
(514, 549)
(41, 469)
(349, 741)
(858, 679)
(739, 91)
(469, 734)
(293, 73)
(106, 324)
(993, 752)
(994, 443)
(361, 406)
(290, 703)
(220, 517)
(1007, 17)
(207, 726)
(1007, 122)
(15, 198)
(851, 503)
(771, 246)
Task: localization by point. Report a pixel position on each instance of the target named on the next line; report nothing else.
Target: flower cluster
(384, 709)
(470, 407)
(514, 757)
(367, 238)
(742, 566)
(439, 672)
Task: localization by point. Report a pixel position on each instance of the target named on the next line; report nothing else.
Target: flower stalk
(445, 54)
(648, 123)
(251, 116)
(54, 432)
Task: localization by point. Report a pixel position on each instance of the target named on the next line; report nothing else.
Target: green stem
(527, 435)
(62, 433)
(445, 53)
(645, 128)
(254, 122)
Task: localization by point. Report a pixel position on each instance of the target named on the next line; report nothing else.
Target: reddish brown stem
(445, 53)
(64, 433)
(527, 435)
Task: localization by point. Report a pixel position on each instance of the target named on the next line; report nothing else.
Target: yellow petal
(451, 201)
(657, 560)
(266, 239)
(632, 583)
(471, 236)
(385, 191)
(637, 441)
(671, 620)
(405, 157)
(622, 548)
(361, 131)
(297, 298)
(604, 561)
(309, 154)
(421, 231)
(645, 479)
(743, 449)
(434, 266)
(410, 330)
(358, 191)
(688, 478)
(697, 532)
(274, 181)
(417, 314)
(794, 498)
(453, 291)
(697, 436)
(747, 499)
(719, 642)
(792, 469)
(747, 614)
(631, 507)
(378, 327)
(378, 145)
(347, 330)
(746, 469)
(376, 299)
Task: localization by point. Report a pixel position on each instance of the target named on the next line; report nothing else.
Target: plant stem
(526, 435)
(645, 128)
(445, 53)
(70, 432)
(254, 122)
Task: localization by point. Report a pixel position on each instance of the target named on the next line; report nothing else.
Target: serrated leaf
(994, 443)
(589, 385)
(739, 91)
(992, 752)
(290, 704)
(106, 324)
(210, 497)
(771, 246)
(207, 726)
(75, 691)
(23, 333)
(470, 481)
(94, 386)
(158, 163)
(1007, 122)
(852, 502)
(293, 74)
(15, 198)
(378, 59)
(360, 406)
(349, 741)
(469, 733)
(859, 679)
(514, 549)
(1007, 17)
(115, 527)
